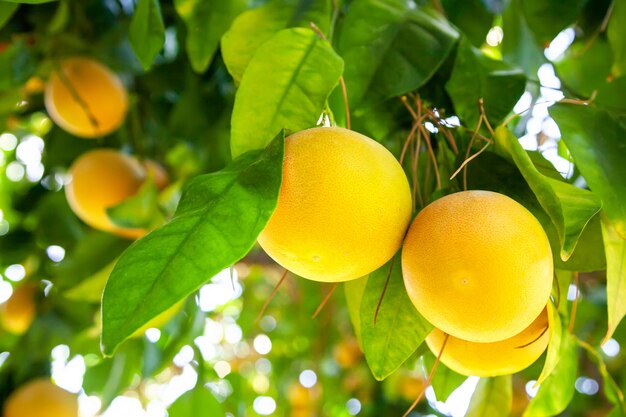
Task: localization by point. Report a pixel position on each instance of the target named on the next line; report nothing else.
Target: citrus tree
(312, 208)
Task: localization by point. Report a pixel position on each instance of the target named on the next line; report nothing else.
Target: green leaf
(140, 210)
(90, 289)
(199, 402)
(493, 397)
(207, 21)
(556, 392)
(546, 18)
(519, 46)
(471, 16)
(255, 27)
(28, 1)
(147, 31)
(399, 329)
(555, 328)
(391, 49)
(585, 66)
(286, 86)
(569, 207)
(617, 412)
(616, 32)
(615, 246)
(612, 391)
(354, 291)
(111, 376)
(611, 97)
(219, 217)
(17, 65)
(445, 380)
(595, 140)
(6, 12)
(96, 251)
(477, 76)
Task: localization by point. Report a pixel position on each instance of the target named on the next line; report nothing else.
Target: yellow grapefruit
(477, 265)
(343, 208)
(85, 98)
(492, 359)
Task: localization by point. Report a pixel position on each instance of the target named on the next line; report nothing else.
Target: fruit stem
(271, 297)
(572, 317)
(429, 379)
(325, 300)
(342, 81)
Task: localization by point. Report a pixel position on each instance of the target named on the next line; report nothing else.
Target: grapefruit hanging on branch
(343, 208)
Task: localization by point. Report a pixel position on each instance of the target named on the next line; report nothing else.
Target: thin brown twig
(406, 104)
(429, 379)
(325, 300)
(414, 155)
(572, 318)
(271, 297)
(431, 153)
(407, 141)
(469, 149)
(382, 294)
(481, 105)
(467, 161)
(416, 189)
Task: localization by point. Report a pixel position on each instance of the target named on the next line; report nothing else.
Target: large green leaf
(354, 290)
(569, 207)
(218, 220)
(585, 66)
(391, 49)
(398, 330)
(445, 380)
(476, 76)
(6, 11)
(17, 65)
(519, 46)
(615, 246)
(147, 31)
(207, 21)
(556, 392)
(111, 376)
(255, 27)
(546, 18)
(471, 16)
(596, 142)
(199, 402)
(493, 397)
(554, 343)
(612, 391)
(285, 86)
(616, 32)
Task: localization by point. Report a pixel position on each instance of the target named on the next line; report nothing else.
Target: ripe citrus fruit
(343, 208)
(19, 310)
(41, 398)
(477, 265)
(101, 179)
(492, 359)
(85, 98)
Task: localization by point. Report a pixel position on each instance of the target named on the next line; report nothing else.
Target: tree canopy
(142, 154)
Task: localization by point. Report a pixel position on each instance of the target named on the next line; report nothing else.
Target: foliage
(522, 97)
